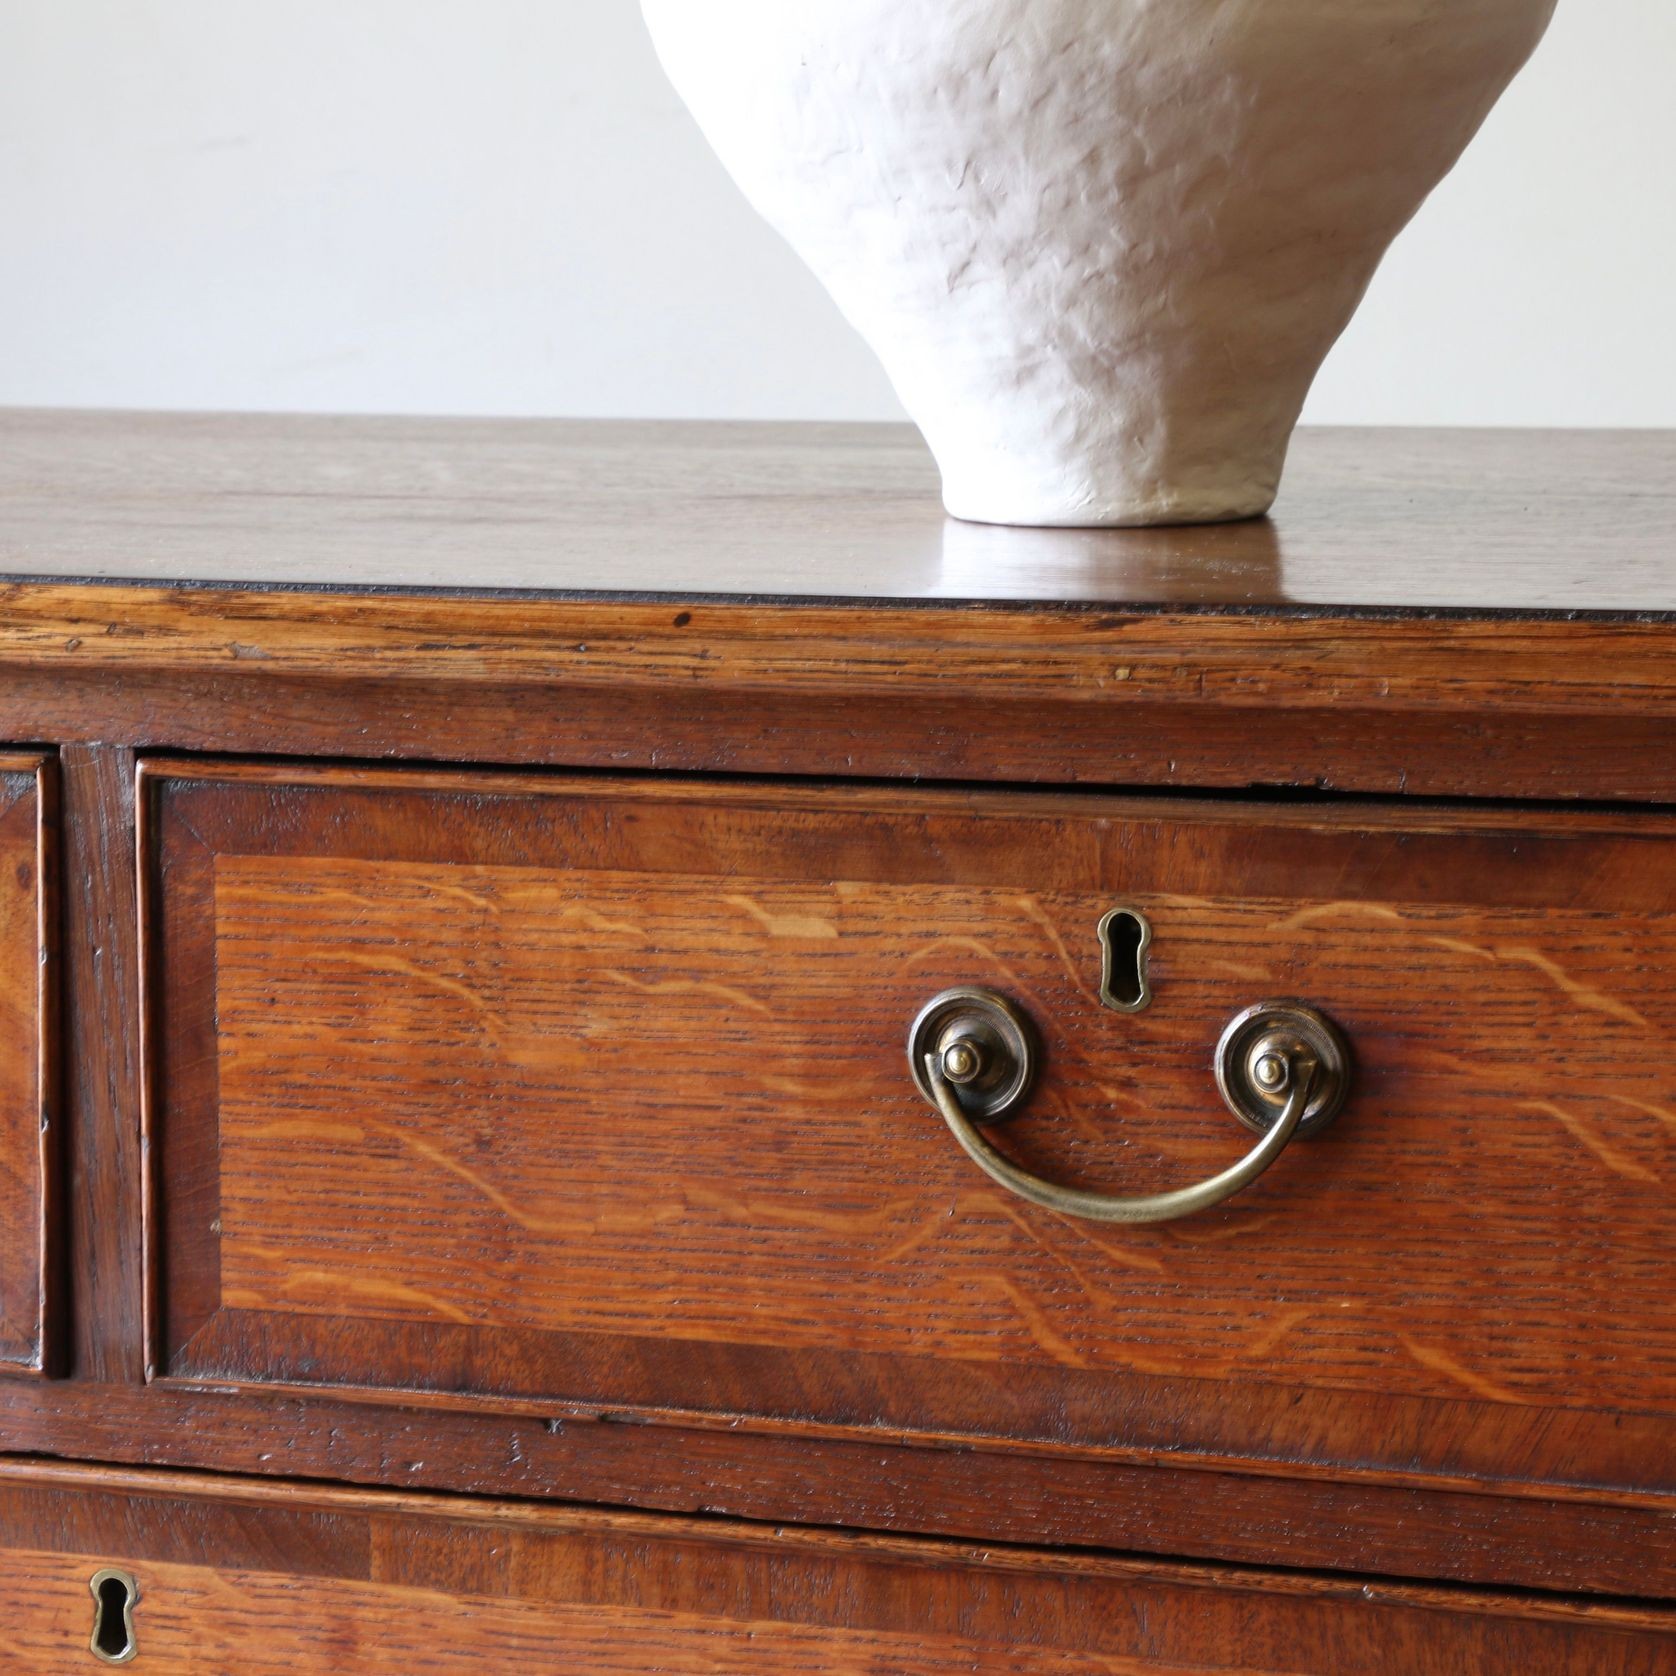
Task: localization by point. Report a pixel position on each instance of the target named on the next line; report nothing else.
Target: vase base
(1151, 512)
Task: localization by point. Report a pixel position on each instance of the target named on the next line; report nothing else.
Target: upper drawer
(503, 1089)
(28, 1137)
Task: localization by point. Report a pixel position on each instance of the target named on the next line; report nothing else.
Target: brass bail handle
(1283, 1069)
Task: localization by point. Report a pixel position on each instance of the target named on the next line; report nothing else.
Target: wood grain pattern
(258, 1579)
(30, 1131)
(1198, 661)
(1432, 718)
(101, 1075)
(1175, 657)
(508, 1090)
(1156, 1501)
(1517, 520)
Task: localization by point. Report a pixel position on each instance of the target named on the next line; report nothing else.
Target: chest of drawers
(515, 940)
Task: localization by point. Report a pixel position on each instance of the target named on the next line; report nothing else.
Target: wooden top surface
(1368, 520)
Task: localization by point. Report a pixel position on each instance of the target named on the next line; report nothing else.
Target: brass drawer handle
(1283, 1070)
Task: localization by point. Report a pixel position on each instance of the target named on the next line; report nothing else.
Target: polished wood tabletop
(1369, 520)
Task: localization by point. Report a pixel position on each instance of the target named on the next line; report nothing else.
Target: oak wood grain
(493, 1090)
(1464, 736)
(1157, 1500)
(265, 1578)
(1157, 657)
(30, 1127)
(1507, 520)
(104, 1175)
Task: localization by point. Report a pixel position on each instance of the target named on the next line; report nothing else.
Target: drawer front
(594, 1096)
(28, 1131)
(201, 1575)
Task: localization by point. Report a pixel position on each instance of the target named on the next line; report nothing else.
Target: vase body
(1101, 246)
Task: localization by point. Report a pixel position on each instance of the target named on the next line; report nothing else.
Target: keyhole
(114, 1594)
(1125, 937)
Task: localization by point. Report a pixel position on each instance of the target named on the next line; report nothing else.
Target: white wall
(497, 206)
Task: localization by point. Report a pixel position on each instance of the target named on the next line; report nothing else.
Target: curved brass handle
(1106, 1207)
(1283, 1069)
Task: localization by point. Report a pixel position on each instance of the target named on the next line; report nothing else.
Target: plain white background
(498, 206)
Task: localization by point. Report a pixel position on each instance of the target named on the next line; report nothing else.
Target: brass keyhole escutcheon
(1125, 936)
(114, 1594)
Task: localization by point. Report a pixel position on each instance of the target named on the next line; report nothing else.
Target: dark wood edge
(50, 1052)
(151, 1236)
(1474, 749)
(176, 925)
(1321, 811)
(41, 805)
(228, 821)
(104, 1165)
(1529, 1540)
(408, 1507)
(1068, 656)
(762, 600)
(1260, 1429)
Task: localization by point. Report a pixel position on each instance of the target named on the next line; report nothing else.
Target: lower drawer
(221, 1575)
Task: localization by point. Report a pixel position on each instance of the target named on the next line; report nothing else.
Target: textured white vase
(1101, 246)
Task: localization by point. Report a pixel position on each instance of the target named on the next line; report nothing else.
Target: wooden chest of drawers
(511, 936)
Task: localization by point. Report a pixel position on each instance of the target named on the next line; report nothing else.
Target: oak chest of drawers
(626, 1052)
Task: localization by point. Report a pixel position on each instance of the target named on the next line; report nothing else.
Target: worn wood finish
(101, 1075)
(1508, 520)
(30, 1131)
(1172, 658)
(500, 1090)
(1156, 1501)
(959, 724)
(260, 1578)
(1230, 662)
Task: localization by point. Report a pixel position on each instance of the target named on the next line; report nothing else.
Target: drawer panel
(231, 1576)
(28, 1132)
(593, 1094)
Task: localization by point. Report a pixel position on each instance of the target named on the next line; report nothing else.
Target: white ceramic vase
(1101, 246)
